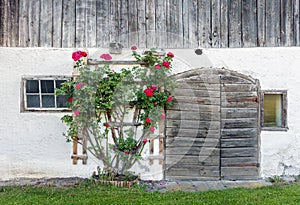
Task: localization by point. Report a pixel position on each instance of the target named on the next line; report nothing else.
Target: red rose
(133, 48)
(76, 55)
(170, 98)
(70, 99)
(148, 120)
(166, 64)
(148, 92)
(157, 66)
(145, 141)
(106, 56)
(170, 55)
(106, 125)
(83, 54)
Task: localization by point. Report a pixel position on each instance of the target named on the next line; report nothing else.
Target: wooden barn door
(212, 128)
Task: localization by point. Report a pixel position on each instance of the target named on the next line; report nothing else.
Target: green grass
(93, 194)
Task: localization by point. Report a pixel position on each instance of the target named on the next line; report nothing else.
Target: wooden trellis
(156, 140)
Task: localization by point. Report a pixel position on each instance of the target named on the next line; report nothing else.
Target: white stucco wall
(32, 145)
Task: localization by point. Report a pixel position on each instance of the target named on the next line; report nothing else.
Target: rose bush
(102, 100)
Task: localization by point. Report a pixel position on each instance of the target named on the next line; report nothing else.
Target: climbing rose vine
(116, 111)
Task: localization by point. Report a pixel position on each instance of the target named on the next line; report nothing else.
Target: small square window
(274, 110)
(39, 94)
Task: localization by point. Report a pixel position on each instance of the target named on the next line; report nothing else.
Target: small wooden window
(39, 94)
(274, 110)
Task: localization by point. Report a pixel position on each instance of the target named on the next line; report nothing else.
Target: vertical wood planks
(124, 21)
(68, 27)
(150, 24)
(34, 24)
(273, 23)
(249, 21)
(286, 23)
(57, 23)
(204, 21)
(91, 24)
(224, 24)
(13, 23)
(296, 24)
(215, 23)
(261, 23)
(235, 21)
(141, 6)
(161, 23)
(80, 14)
(23, 24)
(103, 19)
(45, 39)
(132, 23)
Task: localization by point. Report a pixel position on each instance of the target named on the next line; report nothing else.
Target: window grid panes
(39, 94)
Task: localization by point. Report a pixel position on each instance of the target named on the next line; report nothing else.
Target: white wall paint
(32, 145)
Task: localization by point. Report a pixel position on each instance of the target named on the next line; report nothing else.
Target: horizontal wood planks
(212, 128)
(239, 127)
(149, 23)
(193, 128)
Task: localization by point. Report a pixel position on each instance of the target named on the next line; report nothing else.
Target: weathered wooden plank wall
(149, 23)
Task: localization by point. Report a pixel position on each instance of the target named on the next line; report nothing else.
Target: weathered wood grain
(150, 24)
(180, 132)
(190, 141)
(249, 22)
(161, 23)
(190, 87)
(245, 142)
(80, 21)
(234, 113)
(216, 23)
(238, 161)
(198, 100)
(195, 107)
(234, 79)
(224, 36)
(239, 152)
(194, 171)
(23, 24)
(238, 133)
(124, 23)
(198, 92)
(235, 23)
(296, 25)
(239, 123)
(273, 23)
(45, 32)
(13, 23)
(103, 23)
(192, 124)
(239, 171)
(193, 151)
(57, 23)
(286, 23)
(189, 115)
(132, 23)
(142, 35)
(204, 23)
(261, 23)
(91, 24)
(68, 27)
(238, 87)
(195, 160)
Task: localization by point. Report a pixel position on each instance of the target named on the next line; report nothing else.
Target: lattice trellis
(156, 140)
